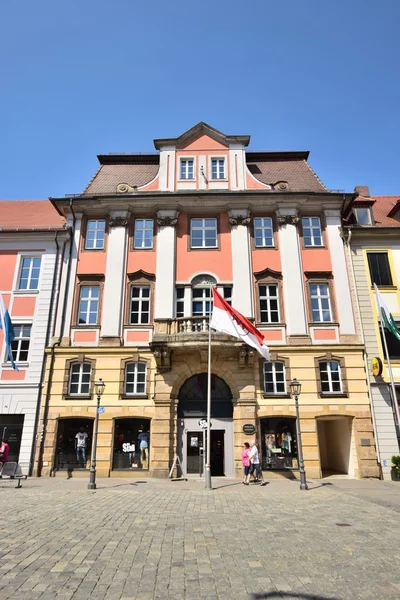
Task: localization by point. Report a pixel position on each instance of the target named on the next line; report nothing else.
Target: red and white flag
(228, 320)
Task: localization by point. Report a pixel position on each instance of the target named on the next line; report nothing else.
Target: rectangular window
(263, 232)
(228, 294)
(79, 381)
(320, 302)
(312, 233)
(95, 233)
(201, 302)
(180, 302)
(392, 342)
(330, 377)
(20, 344)
(140, 305)
(30, 271)
(379, 268)
(363, 215)
(218, 168)
(187, 169)
(274, 378)
(203, 233)
(269, 303)
(143, 237)
(135, 378)
(88, 305)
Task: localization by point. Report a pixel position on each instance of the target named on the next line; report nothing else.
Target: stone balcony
(190, 334)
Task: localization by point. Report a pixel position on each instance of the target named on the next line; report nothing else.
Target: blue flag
(8, 329)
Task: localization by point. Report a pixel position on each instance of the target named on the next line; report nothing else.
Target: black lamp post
(99, 387)
(295, 388)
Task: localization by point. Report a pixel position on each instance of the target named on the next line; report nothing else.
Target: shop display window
(74, 444)
(131, 444)
(279, 443)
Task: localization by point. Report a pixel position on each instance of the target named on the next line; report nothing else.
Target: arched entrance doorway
(192, 412)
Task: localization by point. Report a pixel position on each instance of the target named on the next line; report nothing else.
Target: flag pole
(393, 387)
(207, 477)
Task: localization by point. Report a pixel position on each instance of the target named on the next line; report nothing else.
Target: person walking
(246, 461)
(80, 447)
(4, 450)
(255, 465)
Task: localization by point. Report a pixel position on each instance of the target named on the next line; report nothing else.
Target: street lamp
(99, 388)
(295, 388)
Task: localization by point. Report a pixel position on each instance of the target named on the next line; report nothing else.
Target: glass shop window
(131, 444)
(279, 443)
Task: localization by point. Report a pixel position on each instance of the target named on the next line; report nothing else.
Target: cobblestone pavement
(174, 540)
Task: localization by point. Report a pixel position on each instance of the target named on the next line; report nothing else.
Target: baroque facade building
(151, 233)
(32, 240)
(371, 233)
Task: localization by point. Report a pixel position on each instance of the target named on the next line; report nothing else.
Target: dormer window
(187, 168)
(218, 168)
(363, 215)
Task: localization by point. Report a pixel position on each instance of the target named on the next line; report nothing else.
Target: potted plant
(396, 468)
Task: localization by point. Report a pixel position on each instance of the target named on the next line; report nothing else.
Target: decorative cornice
(239, 220)
(266, 273)
(167, 221)
(140, 274)
(118, 222)
(287, 220)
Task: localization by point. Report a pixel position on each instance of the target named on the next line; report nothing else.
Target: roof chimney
(362, 190)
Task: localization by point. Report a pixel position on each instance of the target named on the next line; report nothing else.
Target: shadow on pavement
(278, 594)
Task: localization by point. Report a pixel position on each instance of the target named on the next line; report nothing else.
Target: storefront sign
(249, 429)
(203, 423)
(377, 366)
(128, 447)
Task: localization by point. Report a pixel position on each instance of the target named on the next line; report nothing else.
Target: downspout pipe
(56, 344)
(353, 277)
(46, 343)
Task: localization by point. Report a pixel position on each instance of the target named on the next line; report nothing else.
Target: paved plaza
(147, 539)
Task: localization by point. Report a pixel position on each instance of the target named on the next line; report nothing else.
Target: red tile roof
(108, 176)
(29, 215)
(295, 171)
(382, 207)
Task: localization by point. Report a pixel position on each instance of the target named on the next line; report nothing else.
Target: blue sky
(80, 78)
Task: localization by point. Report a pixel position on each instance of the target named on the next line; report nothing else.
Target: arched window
(202, 295)
(135, 378)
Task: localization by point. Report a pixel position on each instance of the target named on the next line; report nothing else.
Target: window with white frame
(320, 303)
(363, 215)
(203, 233)
(263, 232)
(135, 378)
(269, 303)
(312, 233)
(201, 301)
(217, 168)
(79, 379)
(89, 305)
(30, 272)
(95, 234)
(330, 377)
(187, 168)
(20, 344)
(227, 289)
(274, 378)
(140, 305)
(180, 301)
(143, 236)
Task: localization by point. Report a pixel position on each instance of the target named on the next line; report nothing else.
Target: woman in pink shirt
(246, 461)
(4, 449)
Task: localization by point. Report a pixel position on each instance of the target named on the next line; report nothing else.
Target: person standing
(255, 464)
(246, 461)
(80, 446)
(4, 450)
